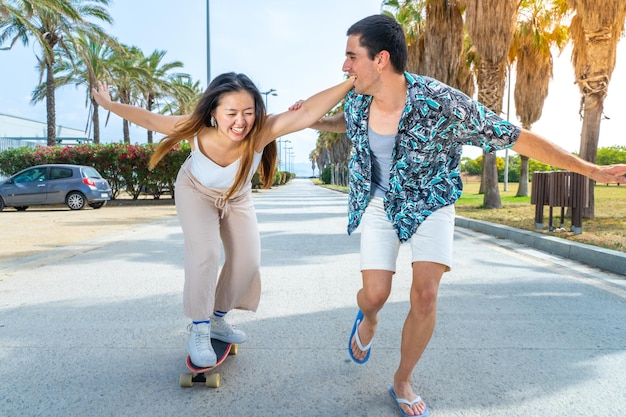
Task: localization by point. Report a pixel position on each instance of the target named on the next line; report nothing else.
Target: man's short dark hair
(381, 32)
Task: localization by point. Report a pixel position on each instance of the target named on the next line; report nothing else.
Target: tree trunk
(149, 108)
(491, 79)
(126, 131)
(522, 188)
(592, 116)
(50, 106)
(96, 122)
(125, 99)
(490, 174)
(481, 189)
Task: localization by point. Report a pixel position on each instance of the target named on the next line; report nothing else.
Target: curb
(607, 259)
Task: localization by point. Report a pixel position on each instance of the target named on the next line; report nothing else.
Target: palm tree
(82, 67)
(126, 74)
(595, 31)
(538, 29)
(411, 16)
(444, 36)
(154, 85)
(491, 24)
(319, 157)
(54, 24)
(182, 95)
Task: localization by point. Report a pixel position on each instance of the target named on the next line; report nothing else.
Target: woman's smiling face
(235, 115)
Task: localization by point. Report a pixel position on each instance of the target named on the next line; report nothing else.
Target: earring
(213, 122)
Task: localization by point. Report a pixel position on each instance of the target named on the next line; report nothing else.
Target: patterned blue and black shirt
(424, 174)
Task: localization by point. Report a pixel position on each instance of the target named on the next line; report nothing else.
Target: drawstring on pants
(221, 204)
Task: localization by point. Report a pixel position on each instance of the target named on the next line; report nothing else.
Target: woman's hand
(101, 94)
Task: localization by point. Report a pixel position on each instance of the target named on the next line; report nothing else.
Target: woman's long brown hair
(201, 117)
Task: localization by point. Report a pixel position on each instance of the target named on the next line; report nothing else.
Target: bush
(326, 176)
(125, 166)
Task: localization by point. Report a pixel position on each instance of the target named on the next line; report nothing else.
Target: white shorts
(432, 242)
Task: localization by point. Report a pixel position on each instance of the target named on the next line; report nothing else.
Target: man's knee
(375, 299)
(423, 300)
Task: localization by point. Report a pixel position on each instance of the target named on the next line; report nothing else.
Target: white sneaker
(199, 346)
(223, 331)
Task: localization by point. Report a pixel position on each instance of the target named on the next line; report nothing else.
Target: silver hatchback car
(73, 185)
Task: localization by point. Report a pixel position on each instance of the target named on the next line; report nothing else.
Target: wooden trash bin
(562, 189)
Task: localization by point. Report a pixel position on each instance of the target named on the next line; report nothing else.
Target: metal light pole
(506, 151)
(288, 158)
(208, 45)
(285, 149)
(280, 141)
(267, 93)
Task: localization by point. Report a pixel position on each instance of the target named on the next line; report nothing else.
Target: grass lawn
(607, 230)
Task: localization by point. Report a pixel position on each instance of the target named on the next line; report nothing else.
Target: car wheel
(75, 200)
(21, 208)
(1, 204)
(97, 205)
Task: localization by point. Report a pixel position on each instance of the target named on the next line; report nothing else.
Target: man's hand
(606, 174)
(295, 106)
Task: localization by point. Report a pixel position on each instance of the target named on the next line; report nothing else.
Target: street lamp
(282, 145)
(208, 45)
(287, 158)
(267, 93)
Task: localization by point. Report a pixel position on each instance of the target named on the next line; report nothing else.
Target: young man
(407, 132)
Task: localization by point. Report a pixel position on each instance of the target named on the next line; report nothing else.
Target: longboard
(204, 375)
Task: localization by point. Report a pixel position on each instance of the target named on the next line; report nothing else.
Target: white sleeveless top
(212, 175)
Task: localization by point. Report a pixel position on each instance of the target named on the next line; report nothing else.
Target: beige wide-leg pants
(208, 222)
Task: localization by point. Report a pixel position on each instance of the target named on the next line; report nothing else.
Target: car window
(90, 172)
(60, 173)
(32, 175)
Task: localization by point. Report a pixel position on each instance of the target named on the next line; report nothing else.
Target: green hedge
(125, 166)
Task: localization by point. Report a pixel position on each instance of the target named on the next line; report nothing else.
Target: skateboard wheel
(186, 380)
(213, 381)
(234, 349)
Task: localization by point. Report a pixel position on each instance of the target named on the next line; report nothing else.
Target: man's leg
(379, 251)
(371, 299)
(418, 328)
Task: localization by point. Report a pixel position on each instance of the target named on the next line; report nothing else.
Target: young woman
(230, 137)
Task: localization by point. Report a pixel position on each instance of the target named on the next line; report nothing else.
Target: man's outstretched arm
(536, 147)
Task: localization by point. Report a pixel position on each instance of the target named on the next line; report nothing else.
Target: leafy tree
(182, 95)
(126, 74)
(82, 68)
(411, 16)
(595, 29)
(491, 24)
(155, 83)
(538, 29)
(611, 155)
(54, 25)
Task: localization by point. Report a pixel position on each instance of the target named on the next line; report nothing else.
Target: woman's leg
(239, 283)
(199, 219)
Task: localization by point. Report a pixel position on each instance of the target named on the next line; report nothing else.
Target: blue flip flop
(407, 402)
(355, 334)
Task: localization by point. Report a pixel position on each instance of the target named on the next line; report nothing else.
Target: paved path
(97, 329)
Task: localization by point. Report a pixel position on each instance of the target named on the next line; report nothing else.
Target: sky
(296, 48)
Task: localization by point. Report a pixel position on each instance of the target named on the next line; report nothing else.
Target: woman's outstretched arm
(134, 114)
(310, 111)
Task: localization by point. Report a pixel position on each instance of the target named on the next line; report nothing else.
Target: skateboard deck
(204, 375)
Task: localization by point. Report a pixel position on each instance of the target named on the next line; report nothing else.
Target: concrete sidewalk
(606, 259)
(97, 329)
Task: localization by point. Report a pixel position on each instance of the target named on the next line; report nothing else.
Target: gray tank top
(381, 147)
